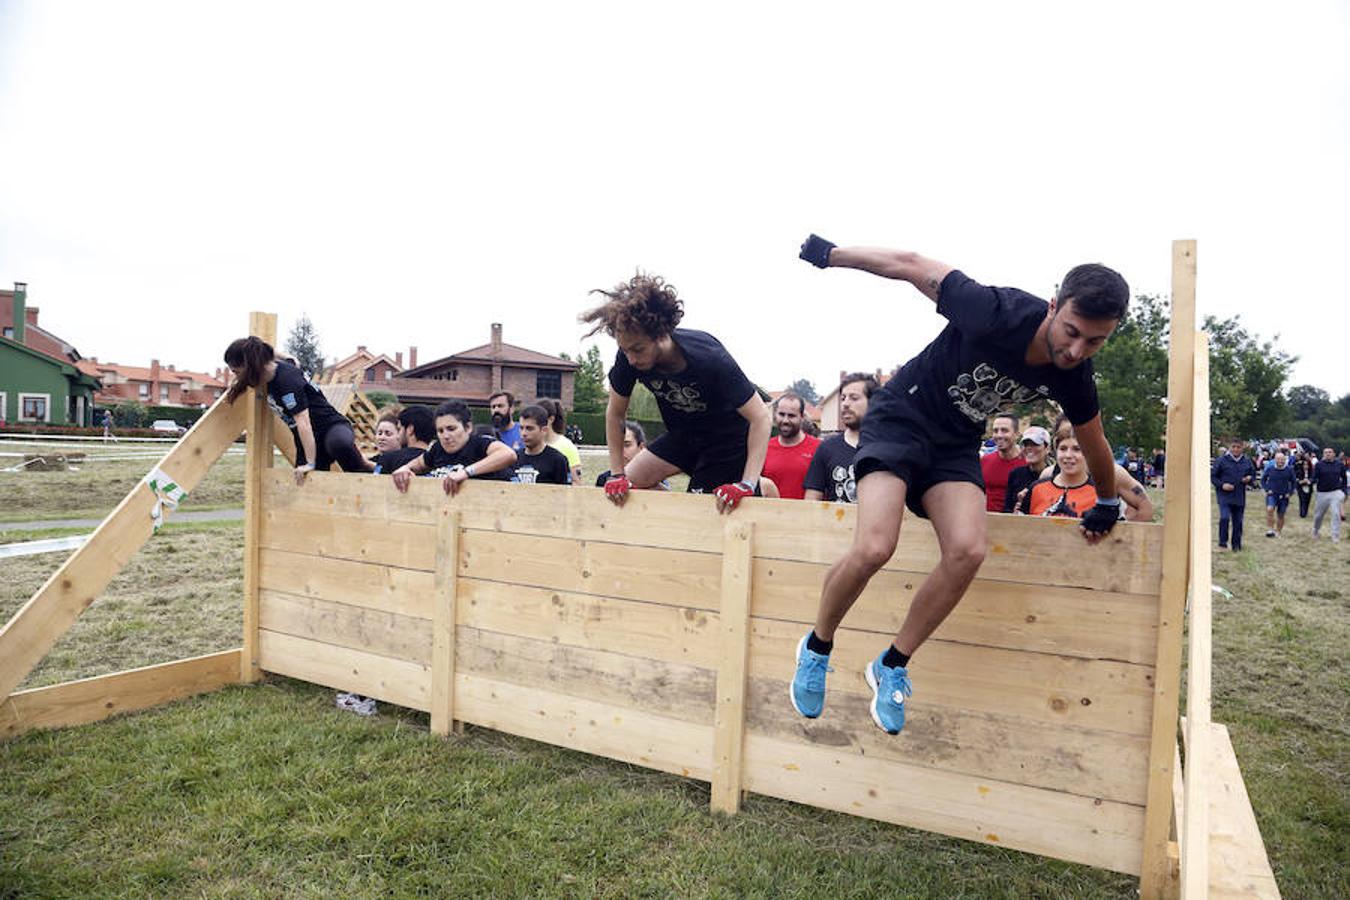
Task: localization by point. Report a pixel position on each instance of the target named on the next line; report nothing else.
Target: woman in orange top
(1070, 492)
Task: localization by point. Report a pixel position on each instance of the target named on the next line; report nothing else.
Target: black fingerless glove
(1102, 517)
(816, 251)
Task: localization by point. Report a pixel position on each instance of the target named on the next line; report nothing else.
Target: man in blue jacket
(1279, 482)
(1230, 475)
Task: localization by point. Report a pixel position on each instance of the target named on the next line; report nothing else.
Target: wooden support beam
(47, 615)
(283, 439)
(1155, 867)
(95, 699)
(443, 626)
(1195, 822)
(733, 667)
(259, 458)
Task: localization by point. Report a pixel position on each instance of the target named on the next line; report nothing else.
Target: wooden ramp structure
(1046, 712)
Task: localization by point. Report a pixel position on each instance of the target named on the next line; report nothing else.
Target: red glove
(617, 488)
(728, 495)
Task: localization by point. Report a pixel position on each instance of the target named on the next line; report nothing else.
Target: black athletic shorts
(708, 463)
(893, 440)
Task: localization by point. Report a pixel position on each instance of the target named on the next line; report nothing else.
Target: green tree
(1246, 382)
(805, 389)
(1132, 375)
(303, 344)
(381, 399)
(131, 414)
(1308, 402)
(589, 394)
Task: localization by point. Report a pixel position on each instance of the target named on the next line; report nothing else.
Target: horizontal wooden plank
(354, 627)
(382, 677)
(1045, 690)
(1080, 761)
(644, 739)
(674, 577)
(1129, 561)
(95, 699)
(402, 544)
(408, 592)
(1064, 826)
(1043, 618)
(671, 689)
(664, 633)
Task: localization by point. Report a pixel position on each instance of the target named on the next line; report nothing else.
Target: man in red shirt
(791, 451)
(998, 465)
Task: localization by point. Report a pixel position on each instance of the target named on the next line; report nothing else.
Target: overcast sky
(407, 173)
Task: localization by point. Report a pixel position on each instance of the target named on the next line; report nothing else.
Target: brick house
(156, 385)
(367, 370)
(474, 374)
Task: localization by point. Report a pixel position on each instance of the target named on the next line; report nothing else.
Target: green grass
(271, 791)
(97, 487)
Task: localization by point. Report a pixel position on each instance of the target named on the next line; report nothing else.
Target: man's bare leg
(881, 505)
(648, 470)
(957, 511)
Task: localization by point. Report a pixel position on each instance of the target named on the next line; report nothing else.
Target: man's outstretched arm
(903, 265)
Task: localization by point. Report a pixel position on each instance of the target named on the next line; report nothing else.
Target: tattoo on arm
(933, 286)
(1138, 489)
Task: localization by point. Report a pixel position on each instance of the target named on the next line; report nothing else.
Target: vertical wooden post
(734, 663)
(259, 457)
(443, 628)
(1156, 870)
(1195, 822)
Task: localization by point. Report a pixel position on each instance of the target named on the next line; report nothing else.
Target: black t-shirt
(976, 368)
(700, 401)
(439, 462)
(547, 467)
(831, 471)
(290, 392)
(395, 459)
(1018, 479)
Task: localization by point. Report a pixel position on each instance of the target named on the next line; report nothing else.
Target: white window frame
(47, 408)
(163, 394)
(4, 405)
(143, 391)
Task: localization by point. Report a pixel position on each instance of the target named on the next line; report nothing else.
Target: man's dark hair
(1096, 291)
(791, 395)
(1009, 416)
(421, 420)
(510, 398)
(637, 431)
(459, 409)
(643, 303)
(536, 414)
(869, 383)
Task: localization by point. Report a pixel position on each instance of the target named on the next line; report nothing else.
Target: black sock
(894, 659)
(816, 645)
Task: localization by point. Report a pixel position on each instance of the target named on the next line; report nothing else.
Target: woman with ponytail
(322, 435)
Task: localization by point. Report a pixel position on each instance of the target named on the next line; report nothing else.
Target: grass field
(272, 791)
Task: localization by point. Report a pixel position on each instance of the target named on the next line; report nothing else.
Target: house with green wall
(38, 388)
(36, 384)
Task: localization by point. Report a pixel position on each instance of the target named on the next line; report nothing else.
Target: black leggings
(337, 444)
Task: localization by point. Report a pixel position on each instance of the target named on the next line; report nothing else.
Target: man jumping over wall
(920, 441)
(717, 427)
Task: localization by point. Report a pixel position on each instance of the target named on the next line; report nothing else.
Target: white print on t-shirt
(685, 398)
(442, 471)
(981, 393)
(527, 474)
(845, 487)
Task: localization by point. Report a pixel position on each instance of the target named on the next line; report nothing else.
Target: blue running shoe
(890, 689)
(808, 685)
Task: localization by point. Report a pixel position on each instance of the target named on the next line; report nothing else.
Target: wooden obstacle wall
(663, 635)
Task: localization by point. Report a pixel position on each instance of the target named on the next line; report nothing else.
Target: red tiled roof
(511, 356)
